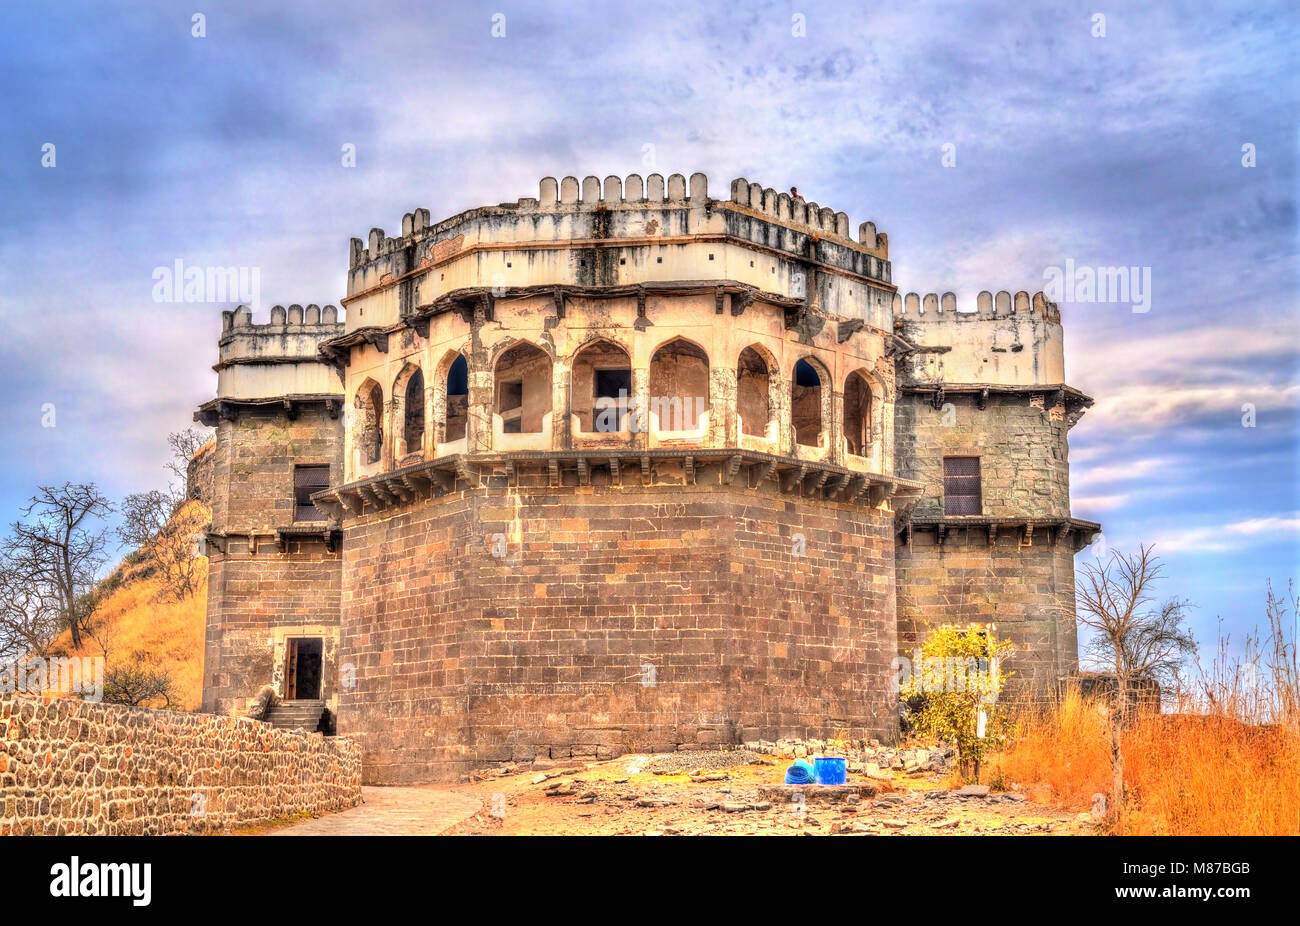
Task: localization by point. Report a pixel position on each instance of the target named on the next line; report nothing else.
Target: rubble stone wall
(71, 767)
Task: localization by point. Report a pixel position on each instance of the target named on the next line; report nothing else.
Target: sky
(990, 142)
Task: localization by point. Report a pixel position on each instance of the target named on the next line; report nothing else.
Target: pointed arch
(865, 409)
(521, 390)
(408, 412)
(679, 385)
(600, 386)
(368, 422)
(810, 391)
(857, 414)
(757, 375)
(451, 398)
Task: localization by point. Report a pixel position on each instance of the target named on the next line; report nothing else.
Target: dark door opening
(303, 671)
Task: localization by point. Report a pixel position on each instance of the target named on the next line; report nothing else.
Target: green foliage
(960, 674)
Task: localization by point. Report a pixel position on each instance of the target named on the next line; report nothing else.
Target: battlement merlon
(633, 230)
(1010, 341)
(274, 362)
(933, 307)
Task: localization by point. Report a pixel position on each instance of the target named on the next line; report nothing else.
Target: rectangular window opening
(306, 480)
(961, 486)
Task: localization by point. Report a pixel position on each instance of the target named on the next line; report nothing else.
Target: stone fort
(626, 468)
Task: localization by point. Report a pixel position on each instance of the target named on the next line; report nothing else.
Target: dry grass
(1184, 774)
(168, 633)
(1060, 754)
(1211, 775)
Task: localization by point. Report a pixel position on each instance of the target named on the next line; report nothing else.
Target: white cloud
(1118, 472)
(1153, 407)
(1099, 503)
(1233, 536)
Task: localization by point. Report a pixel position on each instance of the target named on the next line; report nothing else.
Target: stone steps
(289, 715)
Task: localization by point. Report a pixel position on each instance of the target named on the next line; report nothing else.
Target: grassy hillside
(136, 618)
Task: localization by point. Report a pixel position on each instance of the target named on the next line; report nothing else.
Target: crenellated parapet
(818, 219)
(936, 307)
(1008, 341)
(626, 231)
(273, 361)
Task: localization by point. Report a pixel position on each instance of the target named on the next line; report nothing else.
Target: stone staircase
(290, 715)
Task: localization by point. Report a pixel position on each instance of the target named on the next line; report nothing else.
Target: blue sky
(1122, 149)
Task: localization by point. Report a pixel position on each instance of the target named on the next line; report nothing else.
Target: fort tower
(625, 467)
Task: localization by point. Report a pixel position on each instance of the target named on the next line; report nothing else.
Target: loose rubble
(672, 763)
(892, 790)
(867, 757)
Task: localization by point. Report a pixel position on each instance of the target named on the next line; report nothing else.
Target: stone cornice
(730, 467)
(1056, 530)
(227, 407)
(1074, 401)
(328, 532)
(468, 301)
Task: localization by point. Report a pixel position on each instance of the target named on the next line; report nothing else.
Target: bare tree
(184, 445)
(162, 525)
(1140, 643)
(144, 515)
(29, 615)
(56, 548)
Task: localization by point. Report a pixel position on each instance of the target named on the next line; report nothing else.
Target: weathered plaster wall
(1008, 340)
(666, 319)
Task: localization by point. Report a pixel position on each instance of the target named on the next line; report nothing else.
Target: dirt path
(392, 812)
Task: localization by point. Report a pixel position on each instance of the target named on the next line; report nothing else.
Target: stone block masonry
(1012, 563)
(1026, 592)
(616, 618)
(1022, 445)
(266, 582)
(69, 767)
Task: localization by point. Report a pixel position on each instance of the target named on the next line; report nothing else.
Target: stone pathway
(392, 812)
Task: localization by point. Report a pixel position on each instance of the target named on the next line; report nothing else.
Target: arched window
(523, 389)
(369, 426)
(413, 413)
(857, 414)
(457, 399)
(806, 404)
(601, 388)
(679, 386)
(753, 393)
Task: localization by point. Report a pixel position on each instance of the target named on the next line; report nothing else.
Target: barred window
(961, 485)
(306, 480)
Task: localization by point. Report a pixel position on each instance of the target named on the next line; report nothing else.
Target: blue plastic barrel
(829, 770)
(800, 773)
